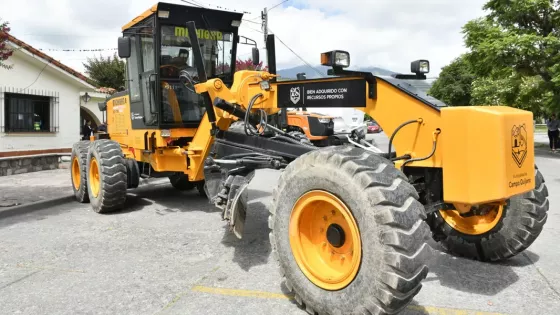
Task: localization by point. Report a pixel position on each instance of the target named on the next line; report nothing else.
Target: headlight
(265, 85)
(420, 66)
(324, 120)
(336, 58)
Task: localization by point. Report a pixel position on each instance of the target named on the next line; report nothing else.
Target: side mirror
(256, 57)
(124, 47)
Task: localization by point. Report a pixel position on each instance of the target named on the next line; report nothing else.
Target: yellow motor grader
(348, 224)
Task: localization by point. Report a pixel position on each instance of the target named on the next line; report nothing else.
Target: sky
(383, 33)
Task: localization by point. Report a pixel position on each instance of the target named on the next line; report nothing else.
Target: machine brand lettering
(519, 144)
(295, 95)
(339, 93)
(200, 33)
(119, 101)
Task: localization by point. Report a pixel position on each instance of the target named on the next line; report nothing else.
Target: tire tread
(397, 212)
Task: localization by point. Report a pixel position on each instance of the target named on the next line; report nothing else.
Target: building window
(28, 113)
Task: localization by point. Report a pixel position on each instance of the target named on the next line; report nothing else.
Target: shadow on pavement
(545, 152)
(167, 200)
(473, 276)
(40, 214)
(254, 248)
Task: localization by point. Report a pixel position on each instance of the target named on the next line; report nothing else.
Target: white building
(40, 103)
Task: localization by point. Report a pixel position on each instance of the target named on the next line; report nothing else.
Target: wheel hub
(76, 177)
(474, 223)
(325, 240)
(94, 181)
(335, 235)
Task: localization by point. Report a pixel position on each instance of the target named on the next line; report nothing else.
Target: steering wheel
(170, 71)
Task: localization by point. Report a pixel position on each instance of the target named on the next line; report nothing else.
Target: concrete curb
(34, 206)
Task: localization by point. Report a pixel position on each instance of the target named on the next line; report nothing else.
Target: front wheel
(107, 176)
(500, 233)
(349, 233)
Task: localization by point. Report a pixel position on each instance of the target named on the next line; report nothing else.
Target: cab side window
(133, 73)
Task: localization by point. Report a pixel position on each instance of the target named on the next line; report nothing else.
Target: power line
(77, 49)
(37, 78)
(274, 6)
(254, 29)
(192, 3)
(278, 4)
(196, 2)
(251, 22)
(300, 58)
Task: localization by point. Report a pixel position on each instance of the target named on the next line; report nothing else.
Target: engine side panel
(488, 153)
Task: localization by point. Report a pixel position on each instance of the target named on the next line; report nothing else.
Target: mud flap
(236, 206)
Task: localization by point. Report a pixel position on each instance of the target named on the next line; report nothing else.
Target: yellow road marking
(425, 310)
(241, 293)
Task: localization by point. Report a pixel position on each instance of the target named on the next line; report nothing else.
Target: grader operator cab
(348, 224)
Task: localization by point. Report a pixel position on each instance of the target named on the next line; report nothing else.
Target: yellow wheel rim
(94, 177)
(76, 169)
(473, 225)
(325, 240)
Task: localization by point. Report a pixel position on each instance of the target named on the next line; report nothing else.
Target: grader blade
(236, 207)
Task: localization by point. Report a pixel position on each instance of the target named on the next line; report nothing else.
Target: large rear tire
(368, 250)
(107, 176)
(78, 170)
(510, 231)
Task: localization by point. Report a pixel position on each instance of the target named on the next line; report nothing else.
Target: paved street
(169, 253)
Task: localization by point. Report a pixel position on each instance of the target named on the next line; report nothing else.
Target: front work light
(420, 66)
(336, 58)
(163, 14)
(236, 23)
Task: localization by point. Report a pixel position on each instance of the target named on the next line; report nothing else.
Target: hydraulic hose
(434, 137)
(419, 120)
(263, 115)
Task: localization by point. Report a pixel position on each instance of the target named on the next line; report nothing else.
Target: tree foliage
(106, 72)
(242, 65)
(5, 51)
(514, 54)
(248, 65)
(454, 85)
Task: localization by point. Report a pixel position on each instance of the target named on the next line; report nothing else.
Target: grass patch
(541, 129)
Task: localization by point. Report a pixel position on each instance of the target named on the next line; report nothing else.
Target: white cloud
(383, 33)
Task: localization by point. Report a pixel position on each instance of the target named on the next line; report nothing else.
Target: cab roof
(173, 8)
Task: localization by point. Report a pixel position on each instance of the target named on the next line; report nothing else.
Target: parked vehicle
(373, 127)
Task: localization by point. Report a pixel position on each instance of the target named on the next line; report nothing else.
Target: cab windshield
(180, 101)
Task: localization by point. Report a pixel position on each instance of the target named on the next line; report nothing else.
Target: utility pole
(264, 15)
(264, 27)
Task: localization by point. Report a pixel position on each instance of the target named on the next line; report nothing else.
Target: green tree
(454, 84)
(106, 72)
(515, 54)
(5, 51)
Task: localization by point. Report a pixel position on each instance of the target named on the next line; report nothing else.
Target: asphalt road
(169, 253)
